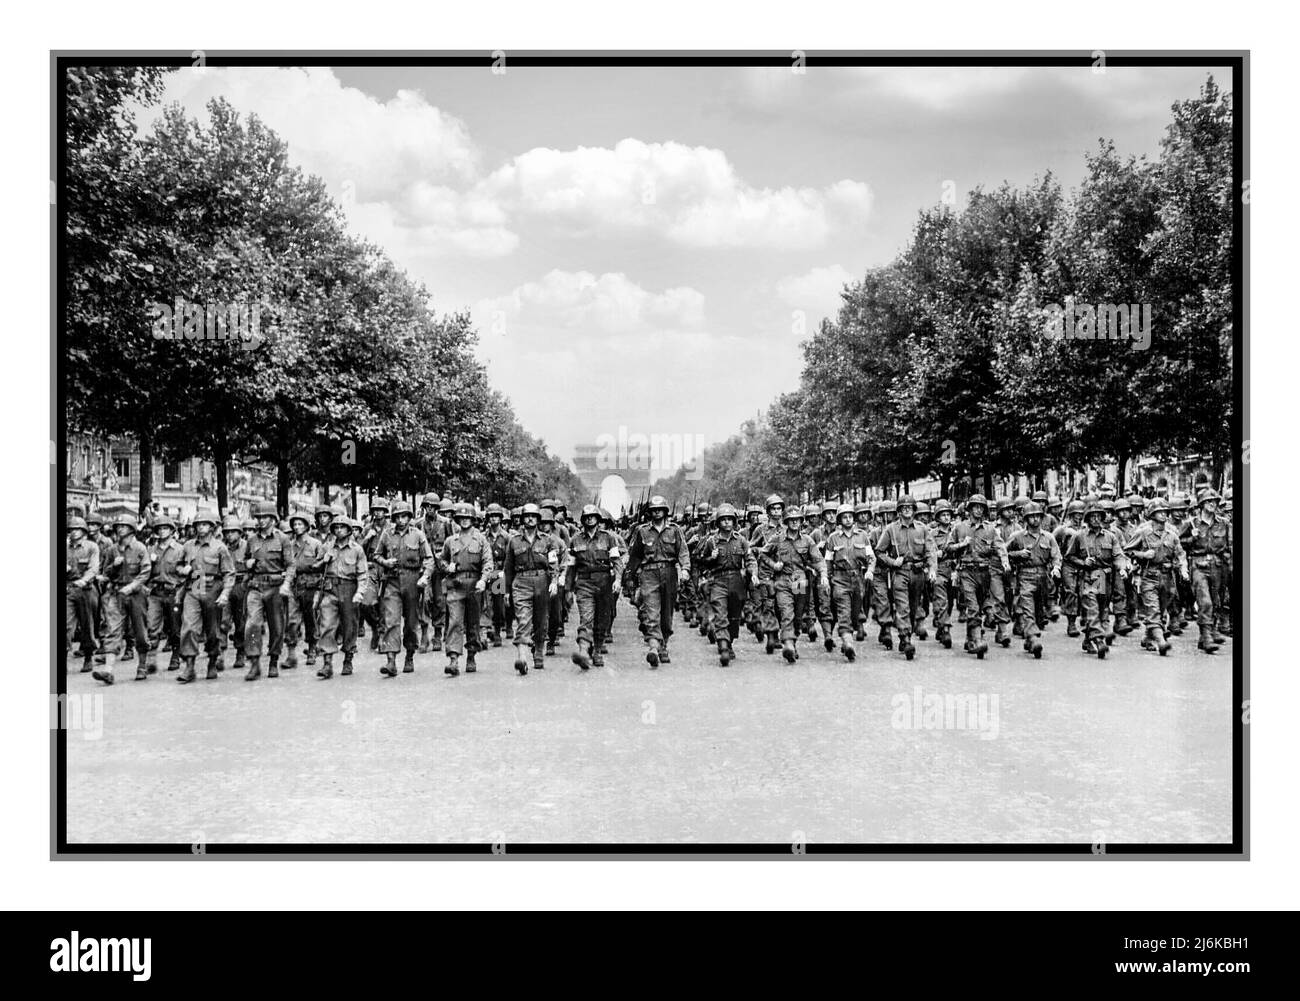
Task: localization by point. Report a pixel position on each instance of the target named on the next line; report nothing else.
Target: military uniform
(210, 575)
(1208, 545)
(1095, 553)
(850, 556)
(125, 600)
(466, 559)
(729, 563)
(403, 565)
(165, 581)
(981, 563)
(308, 555)
(907, 550)
(592, 560)
(659, 557)
(81, 594)
(532, 563)
(269, 559)
(344, 571)
(1157, 555)
(791, 557)
(1036, 557)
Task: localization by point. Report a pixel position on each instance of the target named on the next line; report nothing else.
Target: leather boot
(436, 643)
(724, 652)
(1206, 642)
(347, 664)
(652, 654)
(521, 659)
(581, 657)
(106, 675)
(272, 667)
(187, 672)
(424, 639)
(451, 670)
(214, 665)
(408, 665)
(1071, 626)
(389, 670)
(254, 669)
(326, 669)
(788, 651)
(471, 665)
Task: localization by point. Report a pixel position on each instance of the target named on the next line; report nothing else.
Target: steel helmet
(125, 520)
(324, 509)
(1094, 507)
(589, 511)
(605, 515)
(1021, 500)
(516, 512)
(752, 509)
(548, 513)
(657, 503)
(402, 507)
(246, 524)
(1157, 505)
(1076, 507)
(724, 511)
(1040, 497)
(793, 513)
(942, 505)
(445, 506)
(528, 509)
(231, 523)
(1108, 490)
(462, 510)
(888, 507)
(907, 500)
(495, 508)
(430, 500)
(1005, 504)
(265, 509)
(1055, 502)
(94, 518)
(1033, 508)
(844, 509)
(205, 514)
(922, 507)
(1106, 505)
(164, 521)
(773, 499)
(1122, 505)
(829, 507)
(299, 516)
(77, 522)
(1209, 495)
(381, 504)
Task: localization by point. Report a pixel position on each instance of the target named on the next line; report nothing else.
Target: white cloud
(816, 291)
(689, 195)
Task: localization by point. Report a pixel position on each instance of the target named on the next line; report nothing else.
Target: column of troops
(458, 578)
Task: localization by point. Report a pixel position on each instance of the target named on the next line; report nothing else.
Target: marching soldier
(882, 601)
(559, 539)
(1068, 588)
(905, 548)
(1158, 555)
(1207, 540)
(659, 561)
(531, 568)
(345, 571)
(466, 559)
(403, 566)
(209, 575)
(81, 597)
(792, 557)
(849, 553)
(945, 590)
(728, 560)
(270, 564)
(759, 537)
(981, 563)
(233, 620)
(372, 614)
(1037, 558)
(433, 606)
(165, 582)
(1007, 527)
(498, 538)
(592, 559)
(1095, 552)
(124, 600)
(308, 555)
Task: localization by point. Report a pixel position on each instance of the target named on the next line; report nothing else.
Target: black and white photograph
(723, 454)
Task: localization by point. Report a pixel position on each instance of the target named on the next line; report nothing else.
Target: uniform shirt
(308, 555)
(82, 562)
(659, 545)
(410, 549)
(107, 553)
(986, 545)
(370, 541)
(239, 554)
(499, 541)
(346, 560)
(203, 562)
(728, 554)
(1038, 550)
(908, 544)
(132, 573)
(877, 537)
(165, 557)
(271, 555)
(1099, 544)
(941, 540)
(525, 554)
(1202, 540)
(1163, 545)
(849, 551)
(437, 530)
(470, 554)
(595, 552)
(793, 552)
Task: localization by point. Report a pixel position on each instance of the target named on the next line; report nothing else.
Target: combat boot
(905, 646)
(580, 655)
(521, 661)
(724, 652)
(326, 669)
(1217, 636)
(187, 672)
(272, 667)
(374, 640)
(1122, 625)
(239, 660)
(471, 665)
(598, 656)
(1206, 642)
(663, 654)
(311, 655)
(828, 641)
(652, 655)
(849, 651)
(1162, 644)
(1002, 637)
(769, 644)
(1034, 646)
(1071, 626)
(88, 664)
(496, 638)
(389, 670)
(254, 669)
(424, 639)
(944, 636)
(860, 634)
(435, 645)
(127, 654)
(106, 675)
(884, 639)
(922, 633)
(550, 648)
(290, 659)
(347, 664)
(408, 665)
(451, 670)
(214, 665)
(174, 662)
(539, 662)
(788, 651)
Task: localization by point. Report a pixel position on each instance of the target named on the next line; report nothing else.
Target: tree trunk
(353, 512)
(988, 486)
(282, 487)
(1121, 468)
(146, 471)
(945, 483)
(221, 458)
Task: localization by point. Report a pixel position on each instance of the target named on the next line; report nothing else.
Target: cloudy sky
(637, 246)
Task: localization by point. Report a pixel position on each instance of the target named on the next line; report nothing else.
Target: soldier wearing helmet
(1127, 600)
(849, 556)
(233, 616)
(1008, 525)
(403, 566)
(981, 565)
(531, 569)
(466, 561)
(945, 591)
(436, 524)
(767, 625)
(324, 515)
(81, 597)
(372, 613)
(882, 584)
(344, 573)
(659, 561)
(906, 548)
(1095, 552)
(1068, 588)
(590, 567)
(124, 600)
(1207, 540)
(792, 558)
(269, 561)
(1157, 557)
(498, 539)
(209, 572)
(161, 617)
(729, 565)
(308, 555)
(1037, 560)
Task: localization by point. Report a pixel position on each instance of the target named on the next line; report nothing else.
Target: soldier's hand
(423, 581)
(682, 575)
(222, 600)
(554, 589)
(932, 575)
(250, 563)
(285, 589)
(480, 585)
(777, 566)
(1056, 575)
